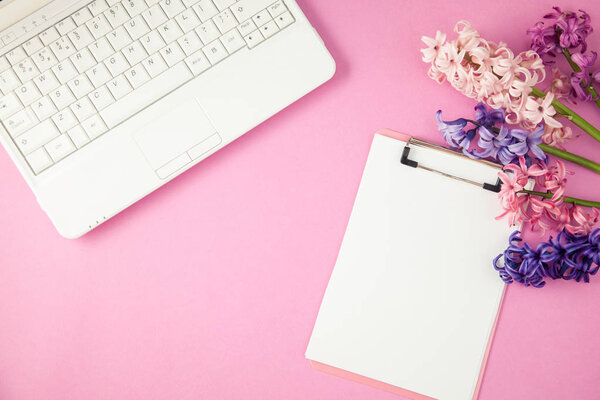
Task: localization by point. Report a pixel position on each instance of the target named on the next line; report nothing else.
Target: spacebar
(146, 94)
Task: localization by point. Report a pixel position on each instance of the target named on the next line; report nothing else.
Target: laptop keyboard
(111, 59)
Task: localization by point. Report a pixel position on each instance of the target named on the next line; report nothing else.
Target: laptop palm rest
(174, 140)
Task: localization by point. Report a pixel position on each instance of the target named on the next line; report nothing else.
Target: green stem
(572, 115)
(590, 87)
(565, 155)
(572, 200)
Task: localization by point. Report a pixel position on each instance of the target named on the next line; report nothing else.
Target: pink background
(209, 288)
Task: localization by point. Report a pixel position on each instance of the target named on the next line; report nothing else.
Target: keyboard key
(134, 53)
(99, 75)
(223, 4)
(208, 32)
(134, 7)
(8, 81)
(155, 65)
(101, 49)
(21, 121)
(119, 87)
(78, 136)
(9, 105)
(81, 37)
(153, 42)
(83, 109)
(98, 26)
(45, 59)
(46, 82)
(39, 160)
(116, 15)
(277, 9)
(32, 46)
(83, 60)
(65, 71)
(269, 29)
(137, 27)
(172, 7)
(119, 38)
(205, 10)
(101, 98)
(26, 70)
(197, 62)
(189, 3)
(63, 48)
(190, 43)
(261, 18)
(28, 93)
(48, 36)
(62, 97)
(97, 7)
(254, 39)
(154, 17)
(65, 120)
(60, 147)
(187, 20)
(81, 86)
(215, 52)
(44, 108)
(137, 76)
(146, 95)
(116, 64)
(284, 20)
(94, 126)
(65, 26)
(225, 21)
(4, 64)
(172, 54)
(245, 9)
(247, 27)
(16, 56)
(170, 31)
(233, 41)
(82, 16)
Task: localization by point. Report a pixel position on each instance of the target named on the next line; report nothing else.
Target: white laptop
(104, 101)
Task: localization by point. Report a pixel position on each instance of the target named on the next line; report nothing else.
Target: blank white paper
(413, 295)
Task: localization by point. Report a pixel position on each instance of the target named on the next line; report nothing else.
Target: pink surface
(210, 287)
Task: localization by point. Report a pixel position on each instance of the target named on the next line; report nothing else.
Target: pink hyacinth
(491, 73)
(548, 214)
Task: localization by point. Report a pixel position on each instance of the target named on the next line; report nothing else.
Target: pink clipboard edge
(391, 388)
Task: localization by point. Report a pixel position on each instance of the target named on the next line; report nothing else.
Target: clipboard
(413, 300)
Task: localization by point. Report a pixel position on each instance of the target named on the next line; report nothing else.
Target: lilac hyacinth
(568, 257)
(525, 142)
(495, 145)
(495, 141)
(453, 131)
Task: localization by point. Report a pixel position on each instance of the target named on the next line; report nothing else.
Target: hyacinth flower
(550, 210)
(568, 257)
(495, 140)
(566, 32)
(491, 73)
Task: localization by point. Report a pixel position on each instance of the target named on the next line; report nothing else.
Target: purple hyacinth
(525, 142)
(487, 116)
(495, 145)
(563, 29)
(581, 80)
(522, 264)
(568, 257)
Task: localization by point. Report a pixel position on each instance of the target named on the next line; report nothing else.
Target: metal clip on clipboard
(411, 163)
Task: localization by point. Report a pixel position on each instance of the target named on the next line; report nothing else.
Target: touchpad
(175, 139)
